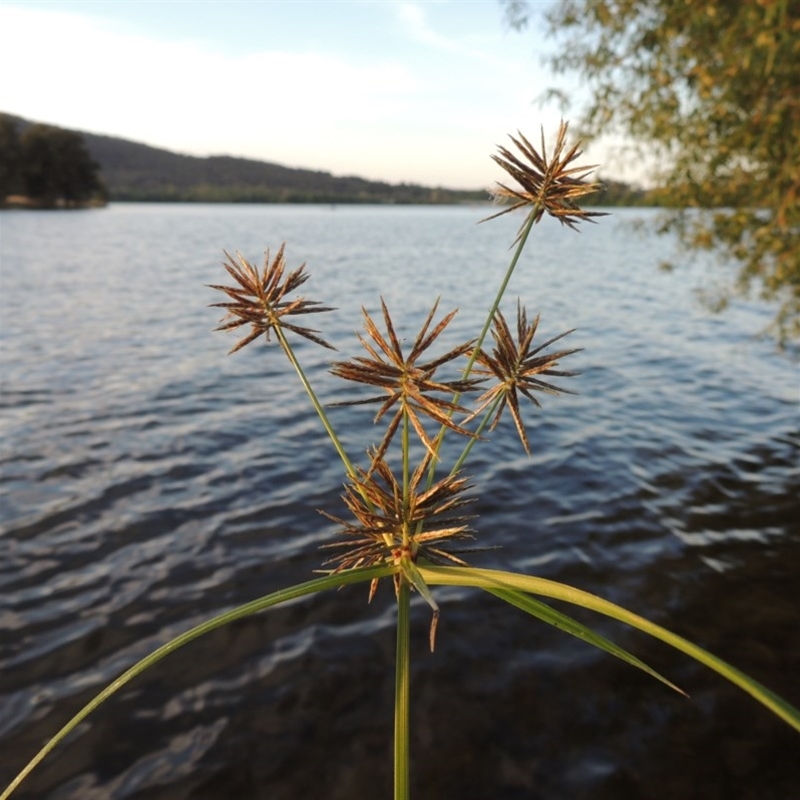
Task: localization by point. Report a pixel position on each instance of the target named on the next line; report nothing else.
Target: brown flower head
(515, 366)
(408, 384)
(545, 185)
(260, 300)
(383, 522)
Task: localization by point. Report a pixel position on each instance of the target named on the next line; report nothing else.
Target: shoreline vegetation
(128, 171)
(24, 202)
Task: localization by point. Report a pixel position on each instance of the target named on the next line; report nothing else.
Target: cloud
(84, 72)
(415, 20)
(430, 112)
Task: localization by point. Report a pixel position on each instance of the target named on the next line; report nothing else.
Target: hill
(132, 171)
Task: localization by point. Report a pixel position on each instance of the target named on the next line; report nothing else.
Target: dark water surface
(149, 482)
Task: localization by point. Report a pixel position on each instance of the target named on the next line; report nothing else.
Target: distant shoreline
(22, 202)
(132, 172)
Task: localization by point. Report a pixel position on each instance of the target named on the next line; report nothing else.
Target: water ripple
(150, 482)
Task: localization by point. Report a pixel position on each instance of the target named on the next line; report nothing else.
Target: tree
(10, 158)
(710, 91)
(57, 167)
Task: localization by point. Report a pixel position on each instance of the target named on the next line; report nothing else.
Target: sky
(417, 91)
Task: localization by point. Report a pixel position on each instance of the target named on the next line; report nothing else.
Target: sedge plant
(408, 521)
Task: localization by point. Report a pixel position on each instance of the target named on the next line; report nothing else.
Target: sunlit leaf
(492, 580)
(333, 581)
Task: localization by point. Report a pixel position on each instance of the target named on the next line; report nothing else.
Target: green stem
(470, 443)
(523, 238)
(406, 477)
(401, 697)
(287, 348)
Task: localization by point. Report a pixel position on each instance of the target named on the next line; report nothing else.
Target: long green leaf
(284, 595)
(565, 623)
(496, 579)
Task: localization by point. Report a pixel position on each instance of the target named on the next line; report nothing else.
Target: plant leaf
(275, 598)
(412, 574)
(496, 579)
(565, 623)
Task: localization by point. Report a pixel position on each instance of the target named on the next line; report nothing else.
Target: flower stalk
(318, 407)
(402, 694)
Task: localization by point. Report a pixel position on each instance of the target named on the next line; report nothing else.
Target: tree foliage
(10, 158)
(56, 166)
(710, 91)
(138, 172)
(50, 165)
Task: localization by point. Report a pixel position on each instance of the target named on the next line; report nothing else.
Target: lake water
(149, 481)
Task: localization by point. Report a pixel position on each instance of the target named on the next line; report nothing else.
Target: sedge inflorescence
(545, 184)
(410, 385)
(401, 514)
(260, 299)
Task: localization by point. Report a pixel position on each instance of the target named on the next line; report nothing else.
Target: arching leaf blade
(331, 581)
(497, 579)
(569, 625)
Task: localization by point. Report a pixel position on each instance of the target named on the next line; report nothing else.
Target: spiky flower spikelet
(515, 366)
(387, 529)
(549, 185)
(408, 384)
(260, 300)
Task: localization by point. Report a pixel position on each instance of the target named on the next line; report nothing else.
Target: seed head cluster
(514, 365)
(550, 185)
(410, 385)
(400, 516)
(387, 526)
(261, 299)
